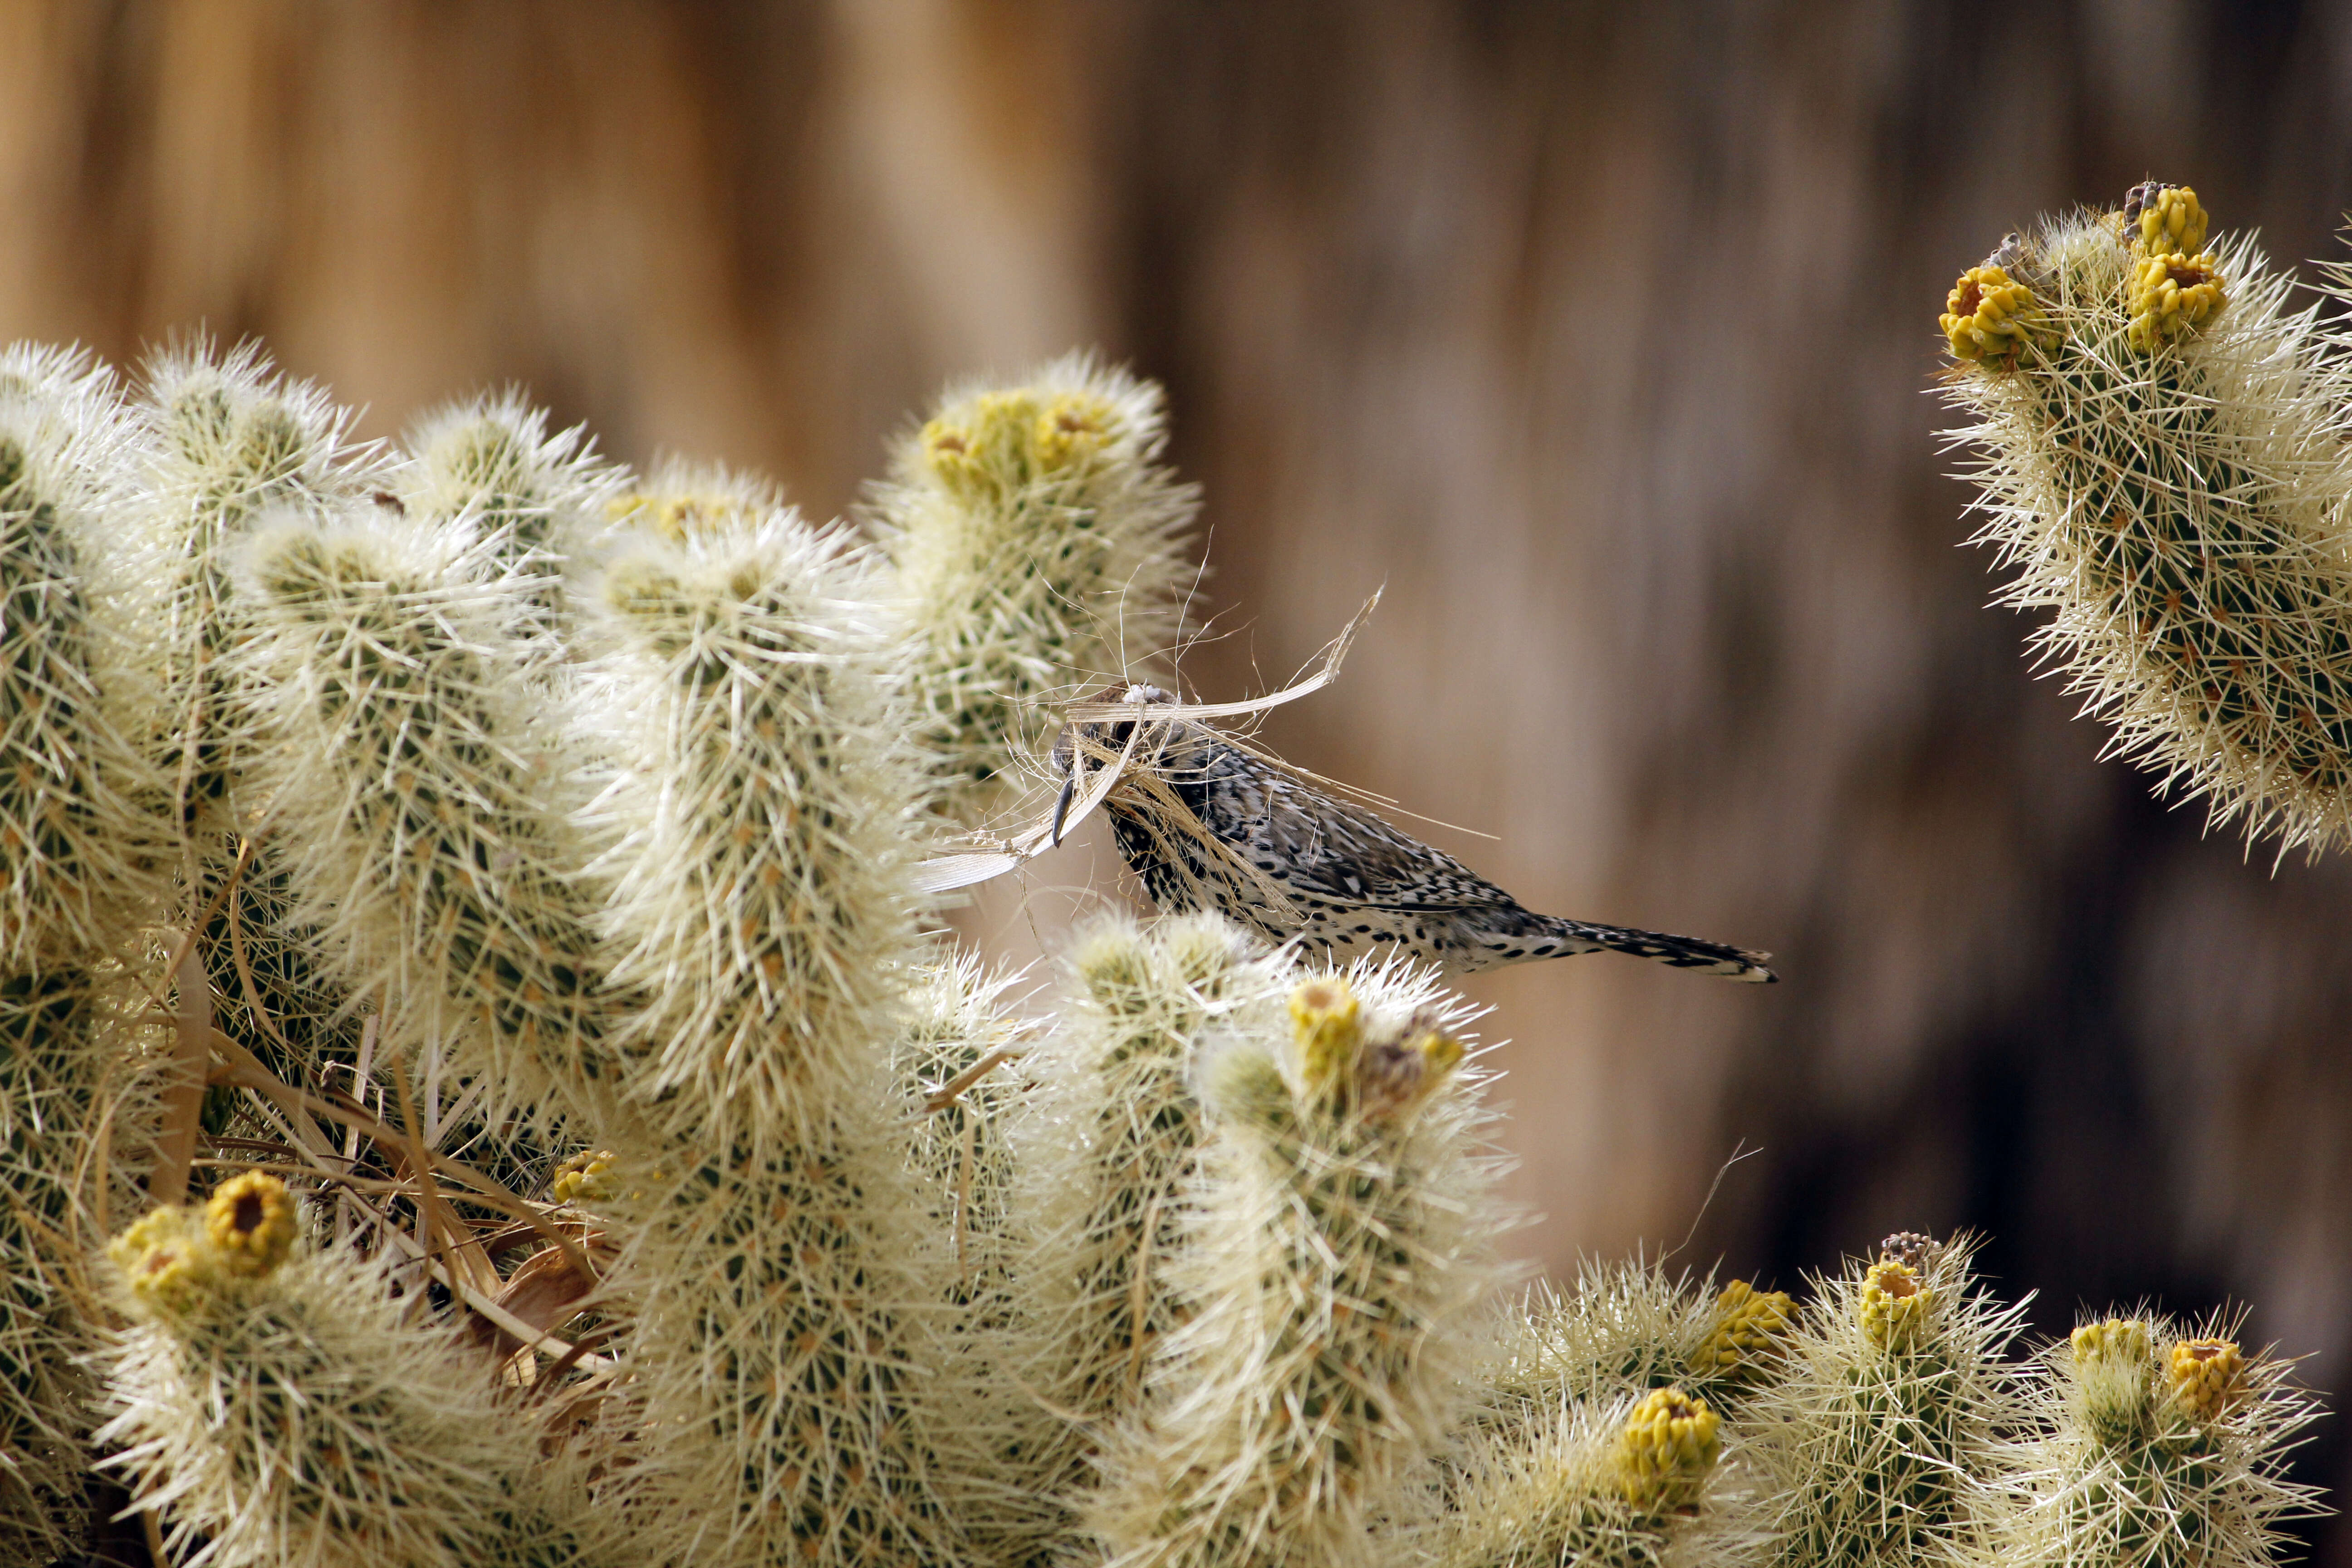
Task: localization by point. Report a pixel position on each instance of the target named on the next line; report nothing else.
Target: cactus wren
(1352, 884)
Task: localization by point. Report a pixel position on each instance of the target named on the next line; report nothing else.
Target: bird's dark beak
(1061, 805)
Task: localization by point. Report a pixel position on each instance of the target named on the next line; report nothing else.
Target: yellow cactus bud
(1990, 316)
(1670, 1444)
(166, 1262)
(1072, 429)
(1328, 1030)
(2171, 221)
(1005, 440)
(992, 450)
(2205, 1375)
(1750, 1326)
(583, 1177)
(681, 515)
(1441, 1053)
(2118, 1340)
(251, 1224)
(1895, 1305)
(2173, 295)
(2112, 1365)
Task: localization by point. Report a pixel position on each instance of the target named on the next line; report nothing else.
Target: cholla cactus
(292, 1412)
(489, 464)
(1337, 1255)
(1037, 539)
(855, 1263)
(2165, 466)
(2152, 1448)
(1627, 1327)
(1880, 1439)
(1537, 1475)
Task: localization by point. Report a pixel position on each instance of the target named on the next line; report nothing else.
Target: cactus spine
(1337, 1258)
(2165, 466)
(1037, 541)
(294, 1412)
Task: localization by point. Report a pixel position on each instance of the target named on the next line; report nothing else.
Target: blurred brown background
(1603, 335)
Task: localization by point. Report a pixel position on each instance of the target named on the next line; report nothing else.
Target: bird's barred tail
(1682, 951)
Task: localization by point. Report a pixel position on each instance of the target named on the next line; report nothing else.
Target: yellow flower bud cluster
(1348, 1070)
(2175, 288)
(1670, 1444)
(2204, 1376)
(681, 515)
(1989, 315)
(1011, 440)
(584, 1178)
(251, 1224)
(172, 1261)
(2173, 296)
(1750, 1326)
(1895, 1305)
(2114, 1362)
(165, 1262)
(2118, 1341)
(2171, 220)
(1327, 1029)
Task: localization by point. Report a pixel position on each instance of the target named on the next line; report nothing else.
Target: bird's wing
(1336, 850)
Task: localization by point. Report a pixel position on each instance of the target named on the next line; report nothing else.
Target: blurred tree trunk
(1601, 334)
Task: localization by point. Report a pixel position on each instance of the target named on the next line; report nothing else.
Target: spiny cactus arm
(962, 1059)
(1620, 1330)
(2163, 454)
(73, 890)
(2152, 1444)
(762, 824)
(1337, 1256)
(1108, 1152)
(1880, 1440)
(285, 1407)
(761, 902)
(1626, 1327)
(1610, 1484)
(1039, 547)
(229, 441)
(417, 804)
(72, 876)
